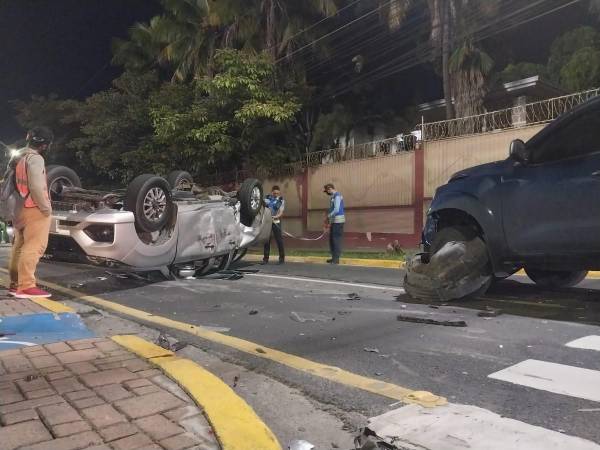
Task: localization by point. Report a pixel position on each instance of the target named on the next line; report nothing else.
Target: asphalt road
(289, 308)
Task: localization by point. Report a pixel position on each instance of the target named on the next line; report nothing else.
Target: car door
(551, 205)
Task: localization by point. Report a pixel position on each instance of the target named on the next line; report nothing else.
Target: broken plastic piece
(445, 323)
(300, 445)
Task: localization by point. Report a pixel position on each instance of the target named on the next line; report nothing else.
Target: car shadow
(511, 296)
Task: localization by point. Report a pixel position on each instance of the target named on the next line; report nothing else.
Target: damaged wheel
(556, 278)
(458, 267)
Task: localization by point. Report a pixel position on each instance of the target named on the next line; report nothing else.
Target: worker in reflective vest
(276, 204)
(32, 225)
(335, 220)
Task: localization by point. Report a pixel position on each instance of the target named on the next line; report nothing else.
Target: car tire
(251, 200)
(556, 278)
(149, 198)
(462, 271)
(179, 180)
(59, 177)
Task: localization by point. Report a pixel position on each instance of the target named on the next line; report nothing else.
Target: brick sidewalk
(93, 394)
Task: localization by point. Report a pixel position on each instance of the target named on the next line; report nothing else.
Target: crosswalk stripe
(553, 377)
(588, 343)
(460, 427)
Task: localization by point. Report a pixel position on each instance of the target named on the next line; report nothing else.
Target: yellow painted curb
(235, 423)
(51, 305)
(325, 371)
(381, 263)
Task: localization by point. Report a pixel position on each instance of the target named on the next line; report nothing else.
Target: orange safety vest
(22, 183)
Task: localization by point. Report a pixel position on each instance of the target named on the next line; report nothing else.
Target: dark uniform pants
(275, 232)
(336, 235)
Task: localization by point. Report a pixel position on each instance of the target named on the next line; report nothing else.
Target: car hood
(482, 170)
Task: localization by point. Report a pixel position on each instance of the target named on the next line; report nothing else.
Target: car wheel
(251, 200)
(180, 180)
(556, 278)
(149, 198)
(458, 267)
(59, 177)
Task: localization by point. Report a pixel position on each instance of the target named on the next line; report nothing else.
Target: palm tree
(183, 39)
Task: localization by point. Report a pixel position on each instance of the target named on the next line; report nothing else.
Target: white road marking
(552, 377)
(24, 343)
(588, 343)
(460, 427)
(317, 280)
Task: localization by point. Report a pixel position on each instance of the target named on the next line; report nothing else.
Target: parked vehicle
(167, 224)
(538, 210)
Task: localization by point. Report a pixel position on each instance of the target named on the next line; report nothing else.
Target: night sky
(61, 47)
(64, 47)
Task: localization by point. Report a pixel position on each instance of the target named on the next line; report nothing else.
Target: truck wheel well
(456, 217)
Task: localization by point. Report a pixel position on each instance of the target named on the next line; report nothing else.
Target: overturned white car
(168, 224)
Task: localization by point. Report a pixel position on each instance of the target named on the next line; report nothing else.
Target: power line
(310, 44)
(407, 61)
(325, 19)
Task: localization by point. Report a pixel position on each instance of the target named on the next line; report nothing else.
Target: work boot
(281, 261)
(329, 261)
(264, 262)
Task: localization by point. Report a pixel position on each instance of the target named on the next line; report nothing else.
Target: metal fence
(373, 149)
(518, 116)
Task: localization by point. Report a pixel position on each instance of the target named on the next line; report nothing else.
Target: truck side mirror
(519, 152)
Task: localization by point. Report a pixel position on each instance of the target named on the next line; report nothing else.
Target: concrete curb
(234, 422)
(359, 262)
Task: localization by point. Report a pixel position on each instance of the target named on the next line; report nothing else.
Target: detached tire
(556, 278)
(251, 200)
(180, 179)
(149, 198)
(59, 177)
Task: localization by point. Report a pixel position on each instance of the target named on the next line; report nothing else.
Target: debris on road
(353, 296)
(444, 323)
(371, 350)
(253, 312)
(296, 317)
(260, 350)
(102, 278)
(300, 445)
(236, 379)
(368, 440)
(163, 341)
(179, 345)
(489, 312)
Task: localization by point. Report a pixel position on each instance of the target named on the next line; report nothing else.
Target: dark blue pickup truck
(538, 210)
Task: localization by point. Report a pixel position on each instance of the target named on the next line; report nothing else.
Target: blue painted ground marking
(36, 329)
